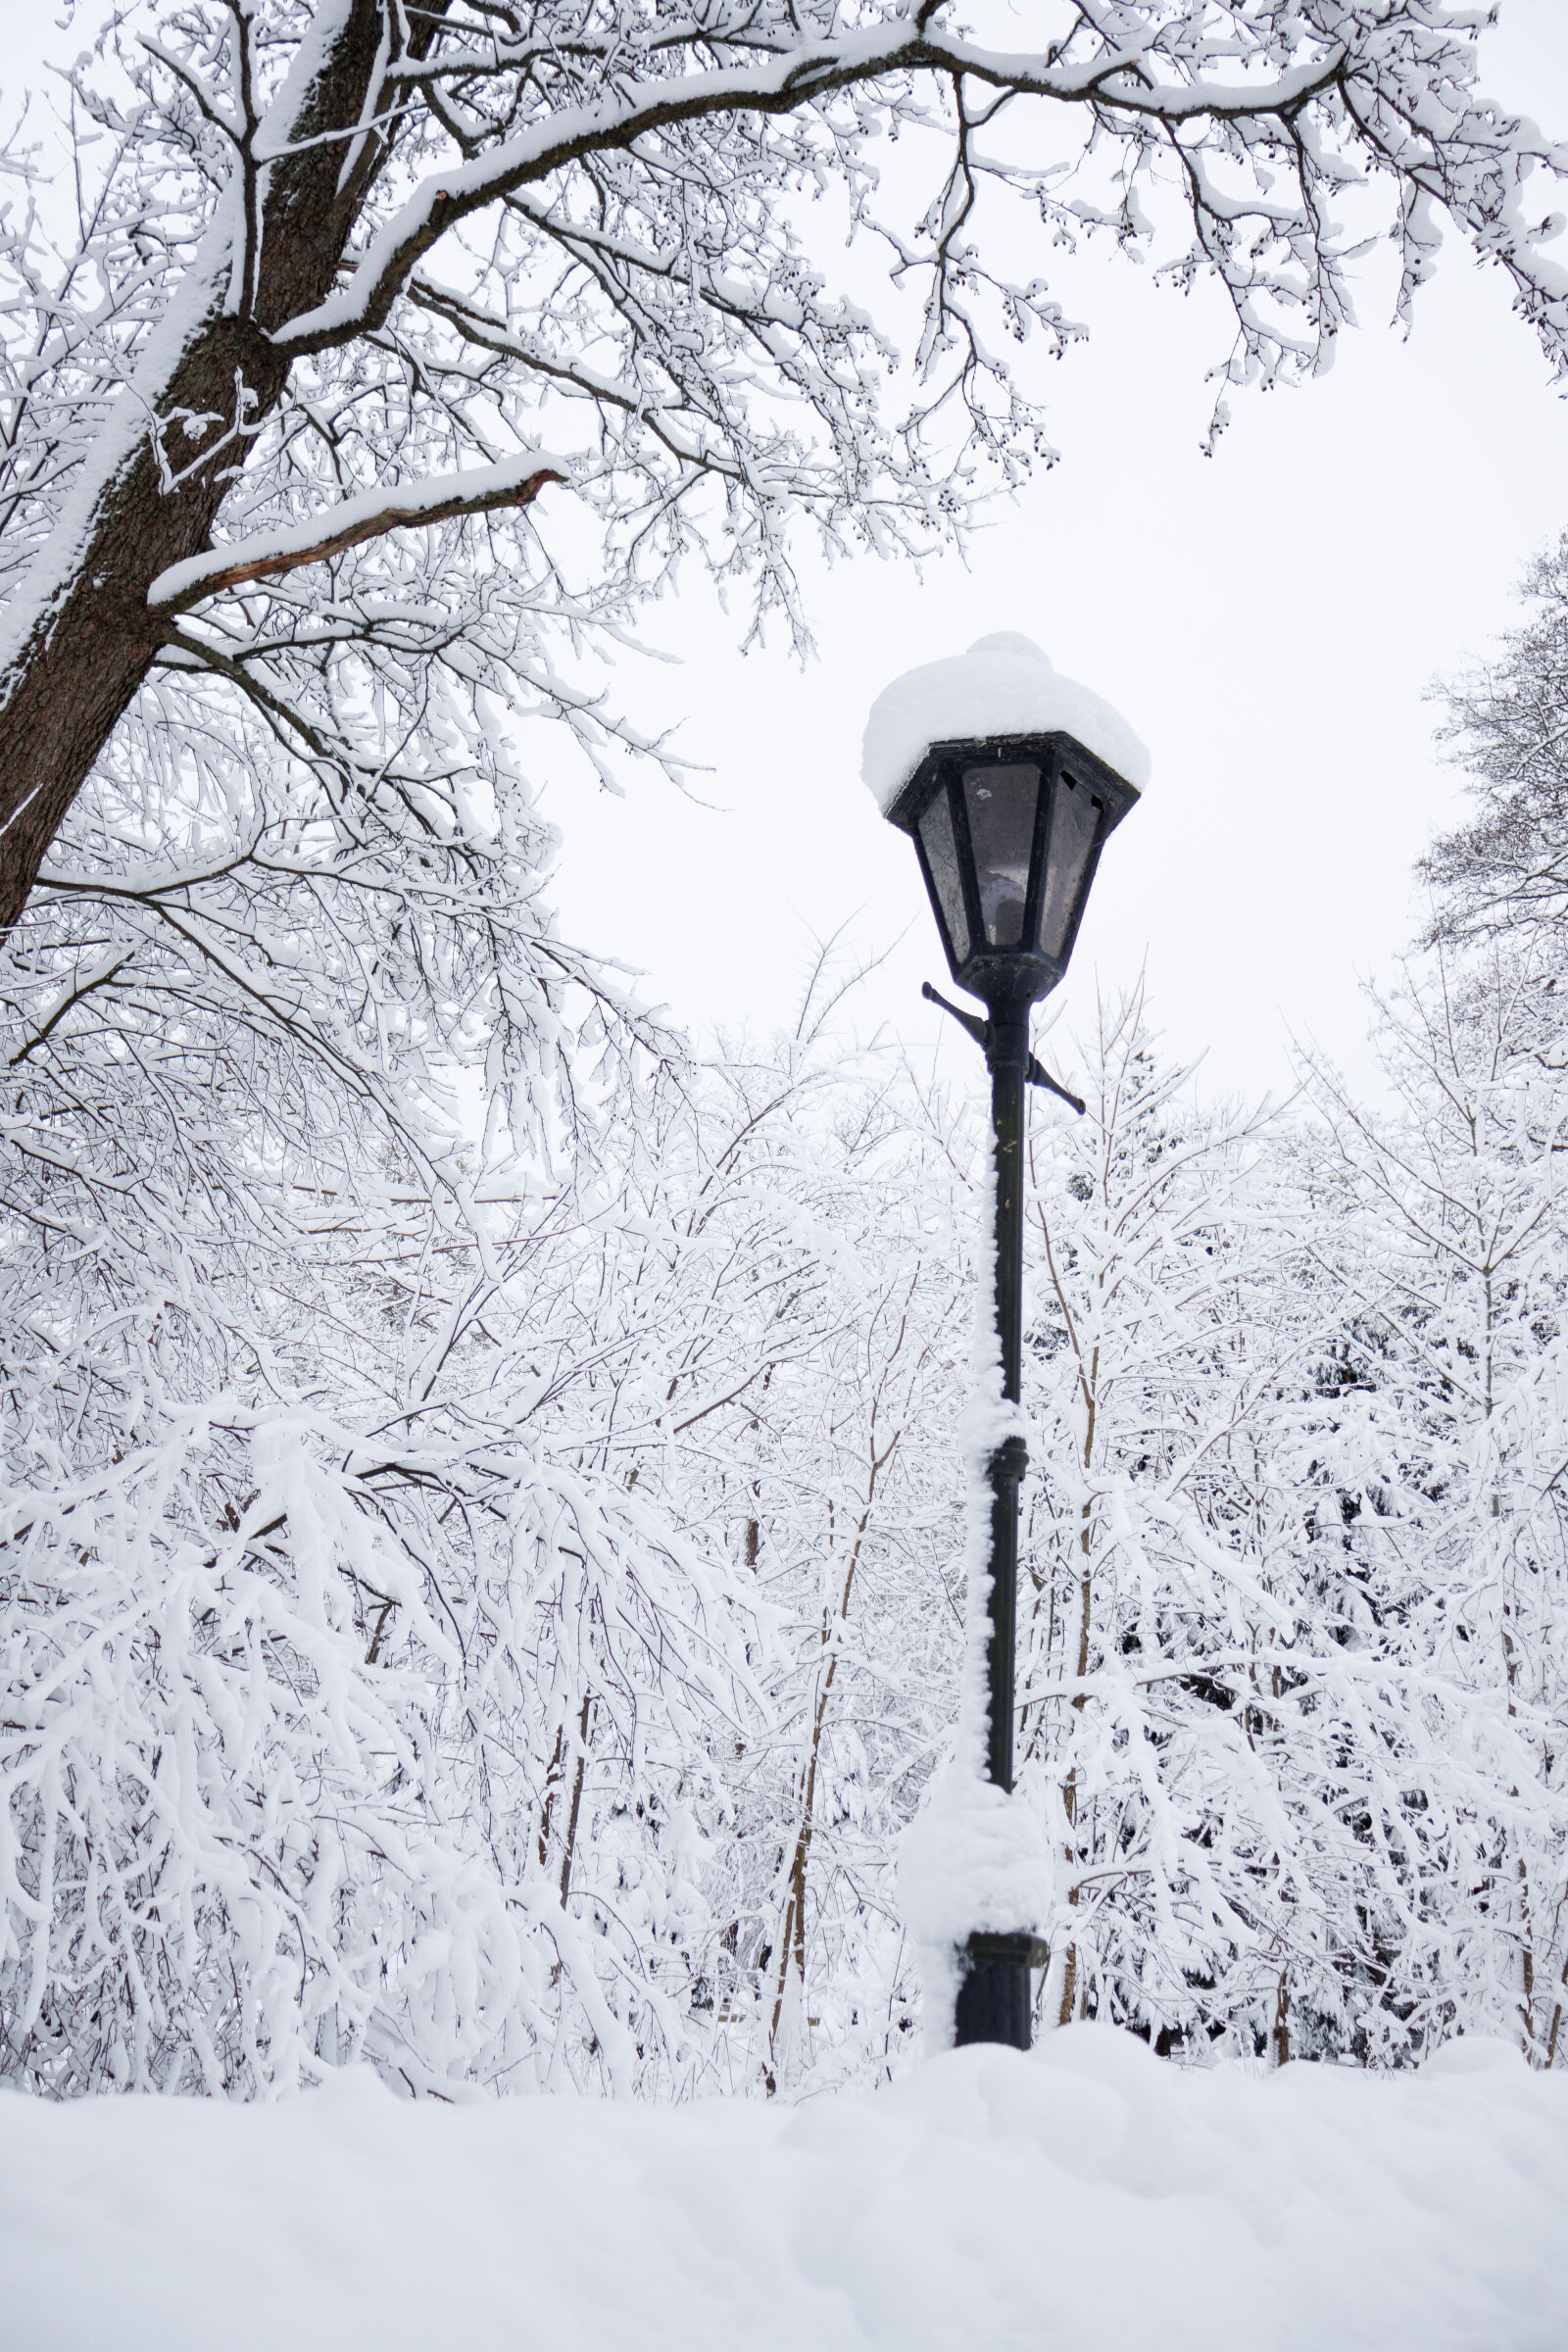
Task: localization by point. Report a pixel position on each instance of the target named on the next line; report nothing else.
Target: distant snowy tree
(1163, 1549)
(1452, 1531)
(357, 1695)
(501, 1645)
(859, 1496)
(1507, 869)
(1240, 1740)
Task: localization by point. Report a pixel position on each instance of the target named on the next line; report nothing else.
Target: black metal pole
(993, 1997)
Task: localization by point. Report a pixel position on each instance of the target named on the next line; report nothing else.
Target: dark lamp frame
(1010, 978)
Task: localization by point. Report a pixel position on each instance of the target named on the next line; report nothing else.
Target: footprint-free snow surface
(1088, 2196)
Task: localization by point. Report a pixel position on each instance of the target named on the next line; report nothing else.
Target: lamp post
(1008, 779)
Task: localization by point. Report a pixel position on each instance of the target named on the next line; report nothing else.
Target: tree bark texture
(89, 649)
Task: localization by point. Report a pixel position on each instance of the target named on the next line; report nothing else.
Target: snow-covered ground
(1089, 2196)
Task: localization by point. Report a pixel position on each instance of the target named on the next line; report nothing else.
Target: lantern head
(1009, 780)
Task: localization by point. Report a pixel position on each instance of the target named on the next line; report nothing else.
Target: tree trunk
(82, 639)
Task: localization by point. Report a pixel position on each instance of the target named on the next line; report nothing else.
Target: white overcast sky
(1267, 618)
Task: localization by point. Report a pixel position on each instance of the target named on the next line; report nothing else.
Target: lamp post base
(994, 2000)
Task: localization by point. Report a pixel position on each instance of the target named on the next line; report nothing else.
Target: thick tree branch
(271, 554)
(97, 975)
(793, 79)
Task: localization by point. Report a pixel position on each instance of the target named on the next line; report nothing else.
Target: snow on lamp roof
(1004, 685)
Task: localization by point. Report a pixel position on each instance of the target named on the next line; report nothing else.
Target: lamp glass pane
(942, 855)
(1075, 821)
(1001, 832)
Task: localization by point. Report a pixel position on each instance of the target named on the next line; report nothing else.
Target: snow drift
(1090, 2196)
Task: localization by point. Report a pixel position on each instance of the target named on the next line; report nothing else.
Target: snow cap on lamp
(1004, 685)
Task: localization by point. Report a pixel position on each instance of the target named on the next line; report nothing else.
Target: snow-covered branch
(268, 556)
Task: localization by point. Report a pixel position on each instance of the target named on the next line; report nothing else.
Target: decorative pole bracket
(1035, 1074)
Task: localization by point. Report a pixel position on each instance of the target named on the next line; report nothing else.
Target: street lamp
(1008, 779)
